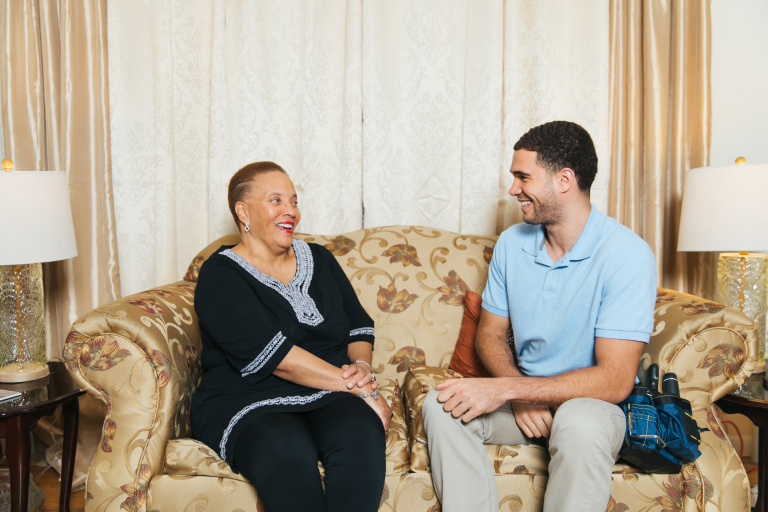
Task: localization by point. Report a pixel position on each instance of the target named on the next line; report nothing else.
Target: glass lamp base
(22, 323)
(23, 372)
(742, 284)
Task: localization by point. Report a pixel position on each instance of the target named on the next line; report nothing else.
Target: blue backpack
(661, 433)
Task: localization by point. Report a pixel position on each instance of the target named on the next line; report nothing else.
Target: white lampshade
(35, 218)
(725, 209)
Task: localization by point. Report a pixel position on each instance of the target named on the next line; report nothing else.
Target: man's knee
(435, 417)
(431, 405)
(588, 422)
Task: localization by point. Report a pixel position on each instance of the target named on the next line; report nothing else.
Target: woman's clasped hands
(360, 381)
(359, 374)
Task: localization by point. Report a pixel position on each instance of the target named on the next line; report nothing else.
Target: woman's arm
(361, 335)
(301, 367)
(359, 374)
(360, 351)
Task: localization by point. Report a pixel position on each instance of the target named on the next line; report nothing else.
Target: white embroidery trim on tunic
(264, 356)
(288, 400)
(361, 330)
(297, 291)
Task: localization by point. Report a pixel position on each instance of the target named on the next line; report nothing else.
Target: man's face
(534, 188)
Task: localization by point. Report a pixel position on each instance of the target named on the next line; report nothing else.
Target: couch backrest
(411, 280)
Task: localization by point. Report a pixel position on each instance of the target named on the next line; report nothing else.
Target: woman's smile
(286, 226)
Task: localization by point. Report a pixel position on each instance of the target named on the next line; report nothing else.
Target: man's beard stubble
(547, 211)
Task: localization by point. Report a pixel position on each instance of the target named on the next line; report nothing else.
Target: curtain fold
(54, 115)
(661, 117)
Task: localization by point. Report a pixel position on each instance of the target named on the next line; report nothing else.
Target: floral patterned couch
(141, 355)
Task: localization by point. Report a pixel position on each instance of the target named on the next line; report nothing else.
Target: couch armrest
(419, 381)
(140, 355)
(711, 348)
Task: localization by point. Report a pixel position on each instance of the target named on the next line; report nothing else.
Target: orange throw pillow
(465, 359)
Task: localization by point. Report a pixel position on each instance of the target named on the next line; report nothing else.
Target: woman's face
(272, 210)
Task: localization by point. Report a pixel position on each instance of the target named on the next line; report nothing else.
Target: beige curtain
(432, 94)
(661, 117)
(409, 108)
(54, 113)
(199, 89)
(555, 68)
(450, 85)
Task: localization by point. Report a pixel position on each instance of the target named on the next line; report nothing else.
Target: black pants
(279, 451)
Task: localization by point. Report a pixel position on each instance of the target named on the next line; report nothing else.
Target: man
(578, 290)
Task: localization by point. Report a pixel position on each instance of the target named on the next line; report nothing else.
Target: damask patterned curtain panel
(449, 87)
(201, 88)
(409, 108)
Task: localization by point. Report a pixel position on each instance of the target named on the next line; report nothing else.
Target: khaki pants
(584, 445)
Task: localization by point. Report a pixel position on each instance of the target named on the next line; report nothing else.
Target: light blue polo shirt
(605, 286)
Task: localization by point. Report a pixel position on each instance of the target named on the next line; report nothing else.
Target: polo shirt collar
(583, 248)
(533, 241)
(586, 245)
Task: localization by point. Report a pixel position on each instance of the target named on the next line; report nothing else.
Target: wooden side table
(19, 416)
(757, 411)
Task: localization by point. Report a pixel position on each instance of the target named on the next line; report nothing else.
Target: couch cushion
(465, 359)
(518, 460)
(418, 382)
(189, 457)
(398, 454)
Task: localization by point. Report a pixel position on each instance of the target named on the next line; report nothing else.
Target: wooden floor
(49, 483)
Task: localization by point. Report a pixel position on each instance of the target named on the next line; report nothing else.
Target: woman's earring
(247, 227)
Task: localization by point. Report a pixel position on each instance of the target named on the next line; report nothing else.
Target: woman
(287, 351)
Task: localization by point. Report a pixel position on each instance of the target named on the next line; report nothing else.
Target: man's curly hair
(561, 144)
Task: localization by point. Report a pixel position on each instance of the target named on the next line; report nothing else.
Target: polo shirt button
(552, 270)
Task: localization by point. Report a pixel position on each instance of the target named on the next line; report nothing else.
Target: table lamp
(35, 227)
(725, 209)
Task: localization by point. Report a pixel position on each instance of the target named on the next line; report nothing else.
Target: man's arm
(491, 345)
(611, 380)
(496, 354)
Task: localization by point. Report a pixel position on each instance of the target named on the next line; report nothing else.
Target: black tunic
(249, 321)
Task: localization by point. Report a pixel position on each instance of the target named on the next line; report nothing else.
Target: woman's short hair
(241, 181)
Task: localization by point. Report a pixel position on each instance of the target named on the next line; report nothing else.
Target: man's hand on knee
(533, 420)
(469, 398)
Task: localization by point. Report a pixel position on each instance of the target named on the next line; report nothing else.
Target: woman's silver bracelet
(375, 395)
(369, 366)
